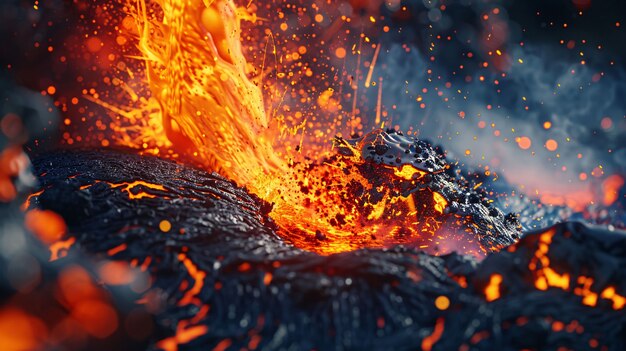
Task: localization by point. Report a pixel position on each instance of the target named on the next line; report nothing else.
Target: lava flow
(379, 190)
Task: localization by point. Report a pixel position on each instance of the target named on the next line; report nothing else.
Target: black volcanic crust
(222, 252)
(471, 207)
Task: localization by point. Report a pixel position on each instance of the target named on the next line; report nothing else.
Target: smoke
(567, 103)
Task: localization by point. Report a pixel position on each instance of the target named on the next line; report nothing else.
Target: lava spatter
(408, 182)
(379, 190)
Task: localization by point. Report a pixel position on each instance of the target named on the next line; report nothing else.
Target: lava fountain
(378, 190)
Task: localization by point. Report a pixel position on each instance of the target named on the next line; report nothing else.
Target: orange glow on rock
(128, 188)
(408, 172)
(492, 290)
(546, 277)
(198, 277)
(119, 248)
(430, 340)
(59, 248)
(30, 197)
(556, 280)
(47, 225)
(440, 202)
(619, 301)
(183, 335)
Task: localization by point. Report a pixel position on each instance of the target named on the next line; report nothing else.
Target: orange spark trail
(368, 80)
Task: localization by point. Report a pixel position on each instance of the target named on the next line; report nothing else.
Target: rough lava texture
(476, 214)
(222, 277)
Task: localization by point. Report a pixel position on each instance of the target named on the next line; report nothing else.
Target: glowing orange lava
(206, 104)
(492, 291)
(546, 277)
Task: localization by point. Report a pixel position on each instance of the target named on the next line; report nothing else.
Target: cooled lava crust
(469, 215)
(224, 279)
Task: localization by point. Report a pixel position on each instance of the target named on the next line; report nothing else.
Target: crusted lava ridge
(476, 214)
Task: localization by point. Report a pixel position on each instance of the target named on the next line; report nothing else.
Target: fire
(206, 104)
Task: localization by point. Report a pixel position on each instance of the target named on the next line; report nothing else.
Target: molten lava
(375, 192)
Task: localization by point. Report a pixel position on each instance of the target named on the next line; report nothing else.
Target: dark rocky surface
(222, 277)
(474, 214)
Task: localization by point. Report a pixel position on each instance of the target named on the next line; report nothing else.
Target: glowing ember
(546, 277)
(492, 291)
